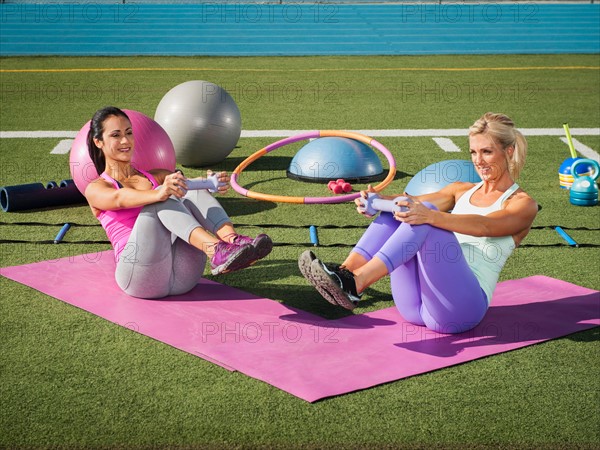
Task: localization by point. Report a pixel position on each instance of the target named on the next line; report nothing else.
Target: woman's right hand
(364, 195)
(173, 184)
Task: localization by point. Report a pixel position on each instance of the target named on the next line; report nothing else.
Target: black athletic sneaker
(304, 264)
(337, 282)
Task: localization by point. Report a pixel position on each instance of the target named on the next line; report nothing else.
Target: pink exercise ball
(153, 150)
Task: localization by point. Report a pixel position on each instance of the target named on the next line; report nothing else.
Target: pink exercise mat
(304, 354)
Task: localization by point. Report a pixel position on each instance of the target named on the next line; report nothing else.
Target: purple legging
(432, 283)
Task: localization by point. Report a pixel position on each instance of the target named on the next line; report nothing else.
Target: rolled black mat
(36, 195)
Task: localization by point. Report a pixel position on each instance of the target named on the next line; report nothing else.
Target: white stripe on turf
(446, 144)
(583, 149)
(63, 147)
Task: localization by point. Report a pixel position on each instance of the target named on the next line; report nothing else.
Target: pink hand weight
(339, 186)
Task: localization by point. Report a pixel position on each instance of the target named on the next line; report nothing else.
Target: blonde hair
(503, 132)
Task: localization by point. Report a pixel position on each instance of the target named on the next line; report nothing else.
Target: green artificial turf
(72, 379)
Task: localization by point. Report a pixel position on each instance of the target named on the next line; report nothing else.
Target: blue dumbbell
(373, 203)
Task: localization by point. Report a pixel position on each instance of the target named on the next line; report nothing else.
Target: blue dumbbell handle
(211, 183)
(373, 203)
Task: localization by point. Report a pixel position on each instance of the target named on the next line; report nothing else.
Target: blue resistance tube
(566, 237)
(61, 234)
(314, 238)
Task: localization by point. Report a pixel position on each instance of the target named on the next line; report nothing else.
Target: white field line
(37, 134)
(63, 147)
(583, 149)
(446, 144)
(372, 133)
(427, 132)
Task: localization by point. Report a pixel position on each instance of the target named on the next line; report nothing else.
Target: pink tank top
(118, 223)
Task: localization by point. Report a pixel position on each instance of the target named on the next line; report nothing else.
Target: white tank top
(485, 255)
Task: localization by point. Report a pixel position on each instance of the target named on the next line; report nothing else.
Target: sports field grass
(71, 379)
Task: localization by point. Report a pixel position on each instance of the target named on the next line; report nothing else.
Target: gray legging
(158, 260)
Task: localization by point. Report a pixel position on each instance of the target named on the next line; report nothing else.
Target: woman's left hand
(415, 212)
(223, 178)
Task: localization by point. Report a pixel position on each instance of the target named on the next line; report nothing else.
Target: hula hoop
(311, 200)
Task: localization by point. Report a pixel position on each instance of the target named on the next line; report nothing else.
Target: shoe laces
(346, 278)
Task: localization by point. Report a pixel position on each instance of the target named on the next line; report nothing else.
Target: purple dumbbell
(373, 204)
(211, 183)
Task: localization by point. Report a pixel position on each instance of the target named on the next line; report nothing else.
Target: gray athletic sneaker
(329, 280)
(337, 281)
(304, 263)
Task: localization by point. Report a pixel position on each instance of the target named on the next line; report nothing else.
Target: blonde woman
(445, 251)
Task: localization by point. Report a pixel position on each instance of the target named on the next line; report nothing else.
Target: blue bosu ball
(437, 175)
(330, 158)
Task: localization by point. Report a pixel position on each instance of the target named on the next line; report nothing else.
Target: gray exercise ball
(202, 120)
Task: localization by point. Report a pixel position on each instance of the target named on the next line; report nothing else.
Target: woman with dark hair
(445, 250)
(161, 232)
